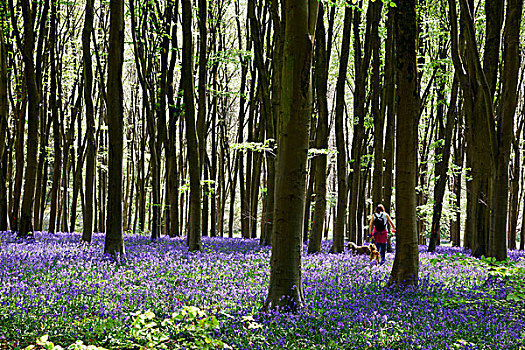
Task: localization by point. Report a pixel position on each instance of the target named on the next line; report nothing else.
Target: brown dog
(359, 249)
(374, 254)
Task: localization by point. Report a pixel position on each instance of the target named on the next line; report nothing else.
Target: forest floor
(56, 286)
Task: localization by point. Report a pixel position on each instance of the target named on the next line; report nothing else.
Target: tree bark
(87, 221)
(362, 64)
(194, 220)
(505, 130)
(4, 105)
(114, 243)
(4, 111)
(33, 120)
(406, 262)
(57, 136)
(443, 155)
(389, 106)
(377, 115)
(342, 192)
(286, 262)
(321, 136)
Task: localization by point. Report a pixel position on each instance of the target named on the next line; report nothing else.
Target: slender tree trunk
(3, 193)
(4, 103)
(321, 136)
(455, 225)
(443, 154)
(362, 63)
(389, 106)
(342, 194)
(194, 222)
(4, 110)
(33, 120)
(87, 221)
(406, 262)
(377, 115)
(272, 115)
(513, 208)
(114, 243)
(57, 140)
(286, 262)
(19, 172)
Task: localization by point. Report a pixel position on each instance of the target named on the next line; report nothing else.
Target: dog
(359, 249)
(374, 254)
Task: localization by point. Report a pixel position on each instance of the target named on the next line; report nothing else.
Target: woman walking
(379, 228)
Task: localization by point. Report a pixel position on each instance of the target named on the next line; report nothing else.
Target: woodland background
(55, 109)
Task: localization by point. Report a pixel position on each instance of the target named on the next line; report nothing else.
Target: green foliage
(266, 146)
(314, 152)
(190, 328)
(44, 342)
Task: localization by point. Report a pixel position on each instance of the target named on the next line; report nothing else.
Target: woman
(379, 228)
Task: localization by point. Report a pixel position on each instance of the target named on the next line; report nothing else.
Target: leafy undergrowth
(68, 292)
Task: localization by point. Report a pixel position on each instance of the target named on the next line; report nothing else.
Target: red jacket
(380, 236)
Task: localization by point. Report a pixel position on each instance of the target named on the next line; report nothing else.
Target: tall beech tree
(505, 129)
(322, 58)
(33, 120)
(388, 108)
(443, 156)
(114, 243)
(286, 289)
(57, 124)
(90, 123)
(4, 110)
(188, 85)
(342, 182)
(406, 262)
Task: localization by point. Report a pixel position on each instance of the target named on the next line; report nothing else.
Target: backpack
(379, 222)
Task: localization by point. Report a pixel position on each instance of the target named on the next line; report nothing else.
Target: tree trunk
(362, 64)
(443, 156)
(4, 105)
(33, 120)
(377, 115)
(87, 221)
(194, 220)
(406, 262)
(321, 136)
(342, 194)
(455, 225)
(389, 106)
(57, 140)
(4, 110)
(481, 131)
(114, 243)
(286, 262)
(505, 130)
(19, 172)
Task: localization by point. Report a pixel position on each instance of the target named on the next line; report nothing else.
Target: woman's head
(380, 208)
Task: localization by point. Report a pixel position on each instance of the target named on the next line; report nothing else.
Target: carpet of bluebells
(55, 285)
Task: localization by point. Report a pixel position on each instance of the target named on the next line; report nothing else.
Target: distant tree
(57, 123)
(90, 122)
(4, 110)
(443, 156)
(323, 44)
(114, 237)
(342, 185)
(406, 262)
(286, 262)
